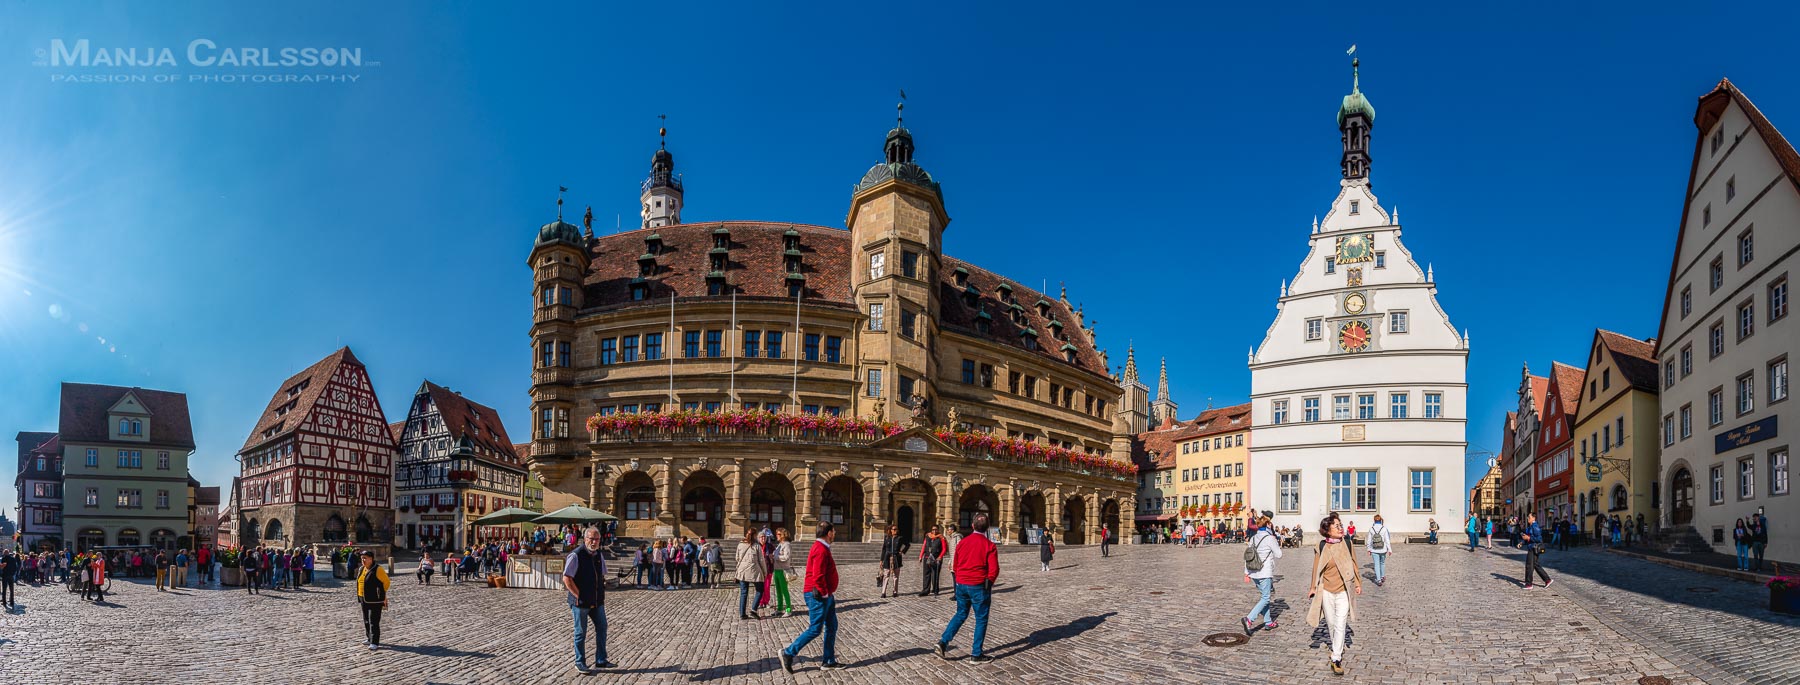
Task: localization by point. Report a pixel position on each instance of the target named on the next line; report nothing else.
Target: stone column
(596, 474)
(1008, 525)
(946, 500)
(807, 502)
(736, 503)
(668, 496)
(1092, 525)
(1053, 504)
(1127, 516)
(875, 508)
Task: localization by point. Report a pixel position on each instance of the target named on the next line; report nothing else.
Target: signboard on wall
(1747, 434)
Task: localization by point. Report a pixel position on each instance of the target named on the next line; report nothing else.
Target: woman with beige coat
(1333, 572)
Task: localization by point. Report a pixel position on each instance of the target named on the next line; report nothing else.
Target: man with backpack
(1259, 568)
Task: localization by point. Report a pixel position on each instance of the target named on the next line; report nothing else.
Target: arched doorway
(129, 537)
(772, 503)
(1681, 493)
(841, 504)
(89, 538)
(976, 499)
(252, 531)
(634, 502)
(702, 505)
(1109, 515)
(1074, 515)
(365, 531)
(335, 530)
(1031, 515)
(915, 498)
(273, 533)
(163, 539)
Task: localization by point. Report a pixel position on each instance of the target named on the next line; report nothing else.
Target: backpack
(1377, 542)
(1253, 561)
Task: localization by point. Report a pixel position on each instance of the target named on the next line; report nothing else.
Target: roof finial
(587, 221)
(662, 131)
(559, 197)
(1355, 81)
(900, 110)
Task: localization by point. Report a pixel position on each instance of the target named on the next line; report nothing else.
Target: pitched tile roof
(396, 428)
(1707, 113)
(472, 421)
(1540, 387)
(1154, 450)
(955, 314)
(207, 495)
(756, 269)
(29, 441)
(1223, 420)
(1635, 358)
(1568, 386)
(755, 263)
(286, 411)
(83, 417)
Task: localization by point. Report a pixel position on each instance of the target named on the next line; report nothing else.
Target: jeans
(6, 591)
(656, 575)
(1266, 586)
(582, 616)
(822, 613)
(969, 597)
(1756, 548)
(1743, 550)
(744, 587)
(371, 622)
(641, 569)
(1472, 540)
(1380, 565)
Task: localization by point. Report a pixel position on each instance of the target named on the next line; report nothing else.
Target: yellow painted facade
(1616, 434)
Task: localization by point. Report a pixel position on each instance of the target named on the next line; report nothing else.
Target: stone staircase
(1680, 540)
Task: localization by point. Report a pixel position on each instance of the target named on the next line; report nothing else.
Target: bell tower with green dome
(1355, 118)
(559, 263)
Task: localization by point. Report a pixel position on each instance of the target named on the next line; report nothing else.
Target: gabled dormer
(128, 419)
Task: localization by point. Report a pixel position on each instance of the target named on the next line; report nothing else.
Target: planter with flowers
(1784, 594)
(231, 569)
(340, 561)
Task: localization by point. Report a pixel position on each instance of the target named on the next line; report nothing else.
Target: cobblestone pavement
(1445, 615)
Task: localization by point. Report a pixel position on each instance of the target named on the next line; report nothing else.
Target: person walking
(1380, 545)
(247, 564)
(203, 563)
(371, 593)
(162, 571)
(1531, 535)
(1105, 541)
(751, 568)
(584, 577)
(181, 569)
(1047, 551)
(1474, 529)
(784, 603)
(1490, 533)
(820, 592)
(765, 545)
(1334, 570)
(9, 573)
(1259, 568)
(97, 578)
(977, 567)
(931, 561)
(893, 550)
(426, 568)
(1740, 536)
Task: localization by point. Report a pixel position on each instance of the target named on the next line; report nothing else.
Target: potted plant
(232, 571)
(340, 561)
(1784, 594)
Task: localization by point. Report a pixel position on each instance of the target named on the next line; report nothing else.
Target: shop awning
(1154, 517)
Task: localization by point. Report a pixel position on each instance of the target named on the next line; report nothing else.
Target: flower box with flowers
(1784, 594)
(738, 424)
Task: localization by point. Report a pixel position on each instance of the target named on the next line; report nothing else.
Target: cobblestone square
(1445, 615)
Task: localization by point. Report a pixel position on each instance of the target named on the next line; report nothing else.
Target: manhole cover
(1224, 640)
(1156, 592)
(1701, 590)
(1653, 680)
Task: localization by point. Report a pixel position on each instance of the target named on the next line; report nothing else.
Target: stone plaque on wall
(1353, 433)
(917, 444)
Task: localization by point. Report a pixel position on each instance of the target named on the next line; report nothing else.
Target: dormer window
(1043, 308)
(1029, 338)
(721, 238)
(639, 290)
(718, 262)
(790, 240)
(1056, 330)
(1069, 352)
(984, 323)
(646, 264)
(970, 295)
(653, 244)
(1004, 292)
(796, 283)
(961, 277)
(791, 264)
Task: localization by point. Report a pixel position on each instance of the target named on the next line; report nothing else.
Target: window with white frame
(1746, 394)
(1715, 274)
(877, 316)
(1280, 410)
(1687, 421)
(1367, 490)
(1778, 380)
(1434, 405)
(1668, 429)
(1340, 407)
(1715, 340)
(877, 265)
(1365, 406)
(1746, 247)
(1421, 489)
(1778, 471)
(1315, 329)
(1687, 360)
(1778, 303)
(1309, 409)
(1746, 478)
(1717, 484)
(1288, 489)
(874, 383)
(1746, 314)
(1397, 322)
(1397, 404)
(1340, 492)
(1715, 407)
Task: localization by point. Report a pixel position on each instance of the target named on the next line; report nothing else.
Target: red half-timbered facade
(319, 465)
(1551, 491)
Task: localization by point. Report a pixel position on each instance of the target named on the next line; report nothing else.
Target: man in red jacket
(821, 602)
(977, 565)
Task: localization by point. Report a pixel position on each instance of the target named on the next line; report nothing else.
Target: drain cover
(1095, 588)
(1653, 680)
(1583, 629)
(1224, 640)
(1701, 590)
(1574, 623)
(1156, 592)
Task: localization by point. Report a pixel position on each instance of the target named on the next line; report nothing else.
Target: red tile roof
(84, 409)
(310, 385)
(472, 421)
(396, 428)
(1568, 387)
(1155, 450)
(958, 316)
(29, 441)
(1223, 420)
(1707, 113)
(1540, 388)
(1635, 358)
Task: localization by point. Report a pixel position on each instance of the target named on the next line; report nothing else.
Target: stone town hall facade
(978, 394)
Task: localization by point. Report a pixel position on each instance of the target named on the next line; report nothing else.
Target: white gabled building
(1724, 343)
(1358, 392)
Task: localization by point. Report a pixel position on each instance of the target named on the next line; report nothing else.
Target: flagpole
(668, 352)
(795, 393)
(734, 331)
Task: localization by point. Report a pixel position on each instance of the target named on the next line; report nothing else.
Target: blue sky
(1164, 163)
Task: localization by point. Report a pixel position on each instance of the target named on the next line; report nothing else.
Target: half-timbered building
(456, 464)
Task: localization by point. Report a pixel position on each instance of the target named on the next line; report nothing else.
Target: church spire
(1131, 375)
(1162, 381)
(662, 195)
(1356, 116)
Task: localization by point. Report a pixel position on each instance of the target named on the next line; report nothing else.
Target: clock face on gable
(1355, 248)
(1354, 303)
(1353, 336)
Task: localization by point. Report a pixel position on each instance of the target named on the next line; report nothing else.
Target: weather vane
(663, 130)
(559, 197)
(900, 110)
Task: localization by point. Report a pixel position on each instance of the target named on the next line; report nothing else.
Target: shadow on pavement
(1507, 578)
(1731, 596)
(763, 665)
(429, 650)
(1051, 634)
(891, 656)
(1321, 635)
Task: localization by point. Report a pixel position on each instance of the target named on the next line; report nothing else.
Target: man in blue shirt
(584, 576)
(1532, 536)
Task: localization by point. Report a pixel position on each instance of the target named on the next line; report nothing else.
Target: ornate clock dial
(1355, 248)
(1353, 336)
(1354, 303)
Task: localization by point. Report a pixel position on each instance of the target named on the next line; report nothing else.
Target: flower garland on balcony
(1034, 452)
(738, 420)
